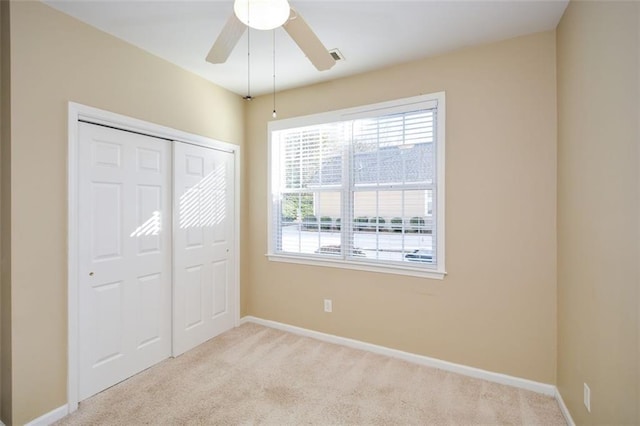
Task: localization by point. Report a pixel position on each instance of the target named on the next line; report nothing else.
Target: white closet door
(204, 288)
(125, 255)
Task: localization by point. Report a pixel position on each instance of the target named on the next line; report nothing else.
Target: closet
(156, 251)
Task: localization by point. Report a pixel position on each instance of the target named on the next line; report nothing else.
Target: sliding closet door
(204, 290)
(124, 299)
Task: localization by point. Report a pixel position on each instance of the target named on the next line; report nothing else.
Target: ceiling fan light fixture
(262, 14)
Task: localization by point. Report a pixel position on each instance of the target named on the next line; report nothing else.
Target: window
(361, 188)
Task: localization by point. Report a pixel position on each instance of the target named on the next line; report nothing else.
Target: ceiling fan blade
(308, 42)
(227, 40)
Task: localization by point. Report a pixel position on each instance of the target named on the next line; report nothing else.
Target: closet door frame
(77, 113)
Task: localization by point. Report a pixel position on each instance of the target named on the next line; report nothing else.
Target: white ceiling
(370, 34)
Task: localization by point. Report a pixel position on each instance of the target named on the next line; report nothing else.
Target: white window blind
(361, 191)
(310, 188)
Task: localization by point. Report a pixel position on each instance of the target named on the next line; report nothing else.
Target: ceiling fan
(266, 15)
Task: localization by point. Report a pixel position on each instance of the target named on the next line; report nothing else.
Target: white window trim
(349, 114)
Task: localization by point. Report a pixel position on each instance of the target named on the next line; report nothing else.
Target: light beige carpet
(258, 375)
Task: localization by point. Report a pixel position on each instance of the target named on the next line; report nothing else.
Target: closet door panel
(124, 255)
(203, 244)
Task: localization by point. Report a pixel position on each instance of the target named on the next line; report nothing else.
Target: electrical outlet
(328, 305)
(587, 397)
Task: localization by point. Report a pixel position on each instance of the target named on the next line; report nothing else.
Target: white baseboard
(50, 417)
(543, 388)
(564, 409)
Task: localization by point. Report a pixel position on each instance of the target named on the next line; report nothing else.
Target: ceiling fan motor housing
(262, 14)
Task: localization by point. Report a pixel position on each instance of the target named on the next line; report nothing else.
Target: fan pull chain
(248, 97)
(274, 74)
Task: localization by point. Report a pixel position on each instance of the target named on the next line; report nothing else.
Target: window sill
(359, 266)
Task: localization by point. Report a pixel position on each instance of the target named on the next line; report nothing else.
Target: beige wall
(598, 211)
(56, 59)
(5, 218)
(496, 309)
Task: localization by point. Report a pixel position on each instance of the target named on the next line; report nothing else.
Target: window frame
(436, 100)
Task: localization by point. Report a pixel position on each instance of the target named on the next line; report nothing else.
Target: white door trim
(79, 112)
